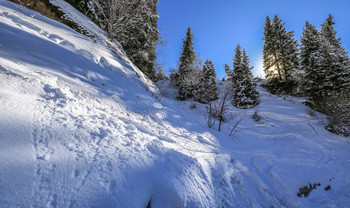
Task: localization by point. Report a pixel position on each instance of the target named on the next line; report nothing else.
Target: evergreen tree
(187, 65)
(245, 94)
(324, 61)
(310, 57)
(269, 52)
(328, 31)
(134, 24)
(310, 43)
(237, 67)
(340, 75)
(280, 54)
(228, 72)
(139, 36)
(206, 90)
(82, 6)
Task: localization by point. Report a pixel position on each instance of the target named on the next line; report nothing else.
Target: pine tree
(139, 36)
(340, 75)
(187, 66)
(228, 71)
(310, 57)
(237, 67)
(280, 54)
(310, 43)
(206, 91)
(325, 64)
(324, 61)
(134, 24)
(327, 74)
(245, 94)
(269, 52)
(328, 31)
(82, 6)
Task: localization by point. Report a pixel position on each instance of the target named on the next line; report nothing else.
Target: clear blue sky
(218, 26)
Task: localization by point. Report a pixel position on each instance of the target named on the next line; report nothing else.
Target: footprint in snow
(55, 38)
(53, 93)
(131, 128)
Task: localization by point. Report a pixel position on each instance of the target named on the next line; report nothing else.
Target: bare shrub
(219, 110)
(256, 116)
(162, 86)
(193, 105)
(211, 115)
(234, 128)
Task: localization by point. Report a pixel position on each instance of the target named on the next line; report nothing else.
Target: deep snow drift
(80, 126)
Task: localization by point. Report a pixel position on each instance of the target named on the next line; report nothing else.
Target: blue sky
(218, 26)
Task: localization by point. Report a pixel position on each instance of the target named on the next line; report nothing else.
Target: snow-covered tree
(280, 54)
(139, 35)
(310, 43)
(245, 94)
(327, 75)
(340, 74)
(309, 58)
(206, 90)
(187, 67)
(237, 66)
(228, 72)
(328, 31)
(324, 60)
(269, 55)
(134, 24)
(84, 6)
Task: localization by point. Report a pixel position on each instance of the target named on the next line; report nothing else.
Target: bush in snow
(337, 110)
(256, 116)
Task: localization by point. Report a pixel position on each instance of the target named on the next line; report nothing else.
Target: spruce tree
(134, 24)
(237, 67)
(328, 31)
(245, 94)
(324, 61)
(228, 72)
(310, 43)
(325, 66)
(206, 91)
(269, 51)
(139, 35)
(280, 54)
(340, 75)
(187, 67)
(310, 58)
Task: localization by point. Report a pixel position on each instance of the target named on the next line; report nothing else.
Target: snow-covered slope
(80, 126)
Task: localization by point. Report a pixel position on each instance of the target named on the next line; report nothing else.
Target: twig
(313, 129)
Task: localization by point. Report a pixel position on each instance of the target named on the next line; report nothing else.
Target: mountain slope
(80, 126)
(84, 125)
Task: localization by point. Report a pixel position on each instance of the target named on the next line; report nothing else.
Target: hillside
(81, 126)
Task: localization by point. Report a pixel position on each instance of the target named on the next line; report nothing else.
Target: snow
(80, 126)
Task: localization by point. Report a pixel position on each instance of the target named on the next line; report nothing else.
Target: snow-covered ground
(80, 126)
